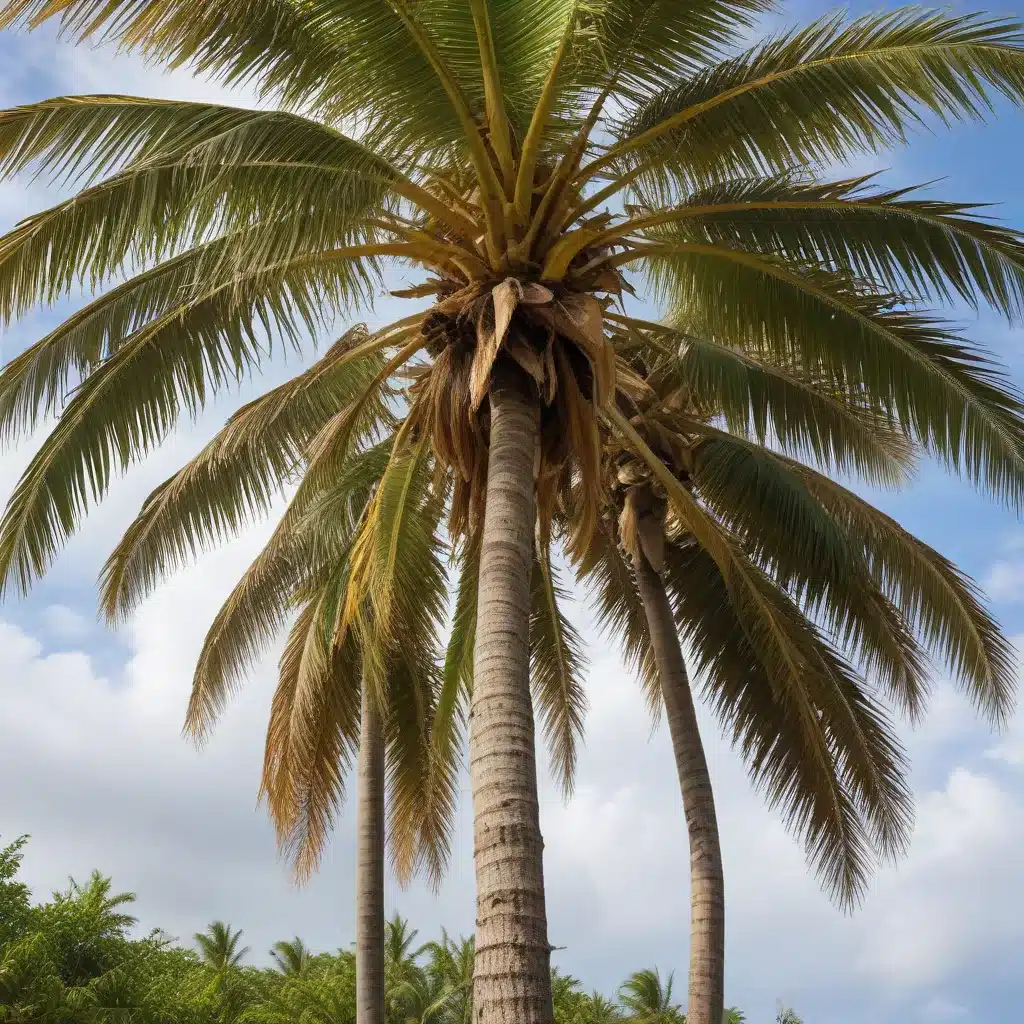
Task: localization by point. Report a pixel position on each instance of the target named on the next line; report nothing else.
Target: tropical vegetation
(531, 159)
(75, 960)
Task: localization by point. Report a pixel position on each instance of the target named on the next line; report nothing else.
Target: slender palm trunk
(512, 980)
(370, 867)
(706, 1000)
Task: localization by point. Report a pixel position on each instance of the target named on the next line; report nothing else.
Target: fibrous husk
(558, 340)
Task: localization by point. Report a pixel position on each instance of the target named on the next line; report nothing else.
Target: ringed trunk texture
(511, 976)
(706, 999)
(370, 866)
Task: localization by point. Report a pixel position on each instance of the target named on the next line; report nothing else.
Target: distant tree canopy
(73, 960)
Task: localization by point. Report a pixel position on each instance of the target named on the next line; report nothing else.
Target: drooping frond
(304, 778)
(802, 411)
(236, 478)
(295, 563)
(939, 601)
(782, 748)
(557, 665)
(786, 646)
(805, 550)
(395, 602)
(127, 405)
(945, 391)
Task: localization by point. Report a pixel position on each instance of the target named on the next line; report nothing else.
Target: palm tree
(601, 1010)
(839, 775)
(451, 963)
(220, 947)
(306, 566)
(291, 957)
(492, 138)
(646, 998)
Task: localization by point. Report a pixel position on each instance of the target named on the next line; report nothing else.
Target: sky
(94, 766)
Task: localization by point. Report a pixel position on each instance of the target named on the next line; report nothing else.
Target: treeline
(71, 960)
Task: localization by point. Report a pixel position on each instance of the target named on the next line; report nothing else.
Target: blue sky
(95, 769)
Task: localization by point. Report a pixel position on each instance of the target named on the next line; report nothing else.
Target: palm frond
(339, 60)
(646, 44)
(897, 240)
(781, 747)
(946, 392)
(395, 602)
(235, 479)
(824, 93)
(557, 665)
(296, 564)
(781, 403)
(939, 601)
(129, 403)
(789, 533)
(196, 170)
(305, 785)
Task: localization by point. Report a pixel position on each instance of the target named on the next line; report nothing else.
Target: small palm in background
(219, 946)
(291, 957)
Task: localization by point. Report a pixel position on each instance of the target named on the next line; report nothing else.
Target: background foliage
(75, 960)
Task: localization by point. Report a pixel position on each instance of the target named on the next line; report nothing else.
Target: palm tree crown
(531, 158)
(221, 947)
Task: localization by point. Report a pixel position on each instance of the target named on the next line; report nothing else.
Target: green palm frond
(340, 60)
(557, 665)
(805, 764)
(939, 601)
(198, 170)
(127, 405)
(946, 392)
(608, 577)
(762, 499)
(934, 249)
(294, 564)
(235, 479)
(770, 401)
(823, 94)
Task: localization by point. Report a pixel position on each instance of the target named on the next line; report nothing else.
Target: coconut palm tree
(525, 154)
(645, 997)
(810, 555)
(306, 565)
(220, 947)
(291, 957)
(451, 962)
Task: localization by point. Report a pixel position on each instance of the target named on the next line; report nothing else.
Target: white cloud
(1005, 581)
(64, 623)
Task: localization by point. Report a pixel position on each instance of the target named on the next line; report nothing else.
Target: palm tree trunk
(511, 979)
(706, 999)
(370, 866)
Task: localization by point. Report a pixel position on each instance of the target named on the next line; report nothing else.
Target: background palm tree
(646, 998)
(220, 947)
(291, 957)
(451, 963)
(493, 136)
